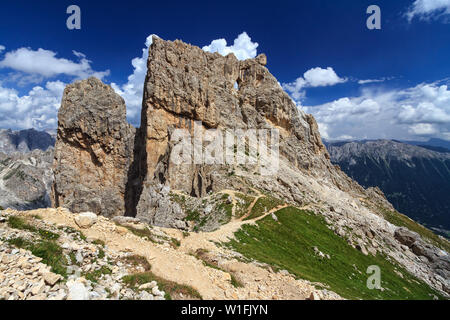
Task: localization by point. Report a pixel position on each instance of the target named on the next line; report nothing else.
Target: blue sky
(358, 83)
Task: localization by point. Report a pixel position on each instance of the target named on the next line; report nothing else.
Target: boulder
(77, 291)
(51, 278)
(93, 151)
(405, 236)
(86, 220)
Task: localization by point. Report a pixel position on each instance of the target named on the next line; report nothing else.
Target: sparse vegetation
(401, 220)
(175, 243)
(50, 252)
(171, 288)
(99, 242)
(263, 205)
(78, 234)
(136, 260)
(202, 255)
(243, 203)
(19, 223)
(288, 244)
(143, 233)
(95, 275)
(48, 235)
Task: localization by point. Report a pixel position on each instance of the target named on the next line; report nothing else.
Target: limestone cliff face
(103, 165)
(185, 84)
(93, 151)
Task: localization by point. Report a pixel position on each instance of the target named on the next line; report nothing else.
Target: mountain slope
(414, 179)
(25, 179)
(105, 166)
(24, 141)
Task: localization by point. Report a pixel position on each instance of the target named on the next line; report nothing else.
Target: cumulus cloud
(243, 47)
(133, 89)
(417, 112)
(315, 77)
(45, 63)
(37, 109)
(2, 48)
(429, 9)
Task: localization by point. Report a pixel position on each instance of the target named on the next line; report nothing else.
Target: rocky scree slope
(26, 179)
(57, 255)
(102, 166)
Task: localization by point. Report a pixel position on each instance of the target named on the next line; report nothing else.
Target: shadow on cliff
(137, 172)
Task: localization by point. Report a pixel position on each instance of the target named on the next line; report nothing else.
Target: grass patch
(143, 233)
(99, 242)
(48, 235)
(50, 252)
(73, 258)
(263, 205)
(136, 260)
(289, 245)
(226, 208)
(78, 234)
(101, 253)
(193, 215)
(95, 275)
(235, 282)
(202, 255)
(171, 288)
(243, 203)
(21, 224)
(175, 243)
(401, 220)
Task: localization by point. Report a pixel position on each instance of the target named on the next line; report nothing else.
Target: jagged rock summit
(93, 151)
(97, 167)
(189, 88)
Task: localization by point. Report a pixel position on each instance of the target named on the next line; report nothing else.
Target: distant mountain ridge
(433, 143)
(416, 180)
(24, 141)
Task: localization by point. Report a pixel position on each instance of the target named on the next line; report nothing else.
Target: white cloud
(133, 89)
(318, 77)
(315, 77)
(428, 9)
(367, 81)
(37, 109)
(243, 47)
(2, 48)
(423, 110)
(423, 129)
(45, 63)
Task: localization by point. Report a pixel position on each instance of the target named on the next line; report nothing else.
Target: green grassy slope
(289, 244)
